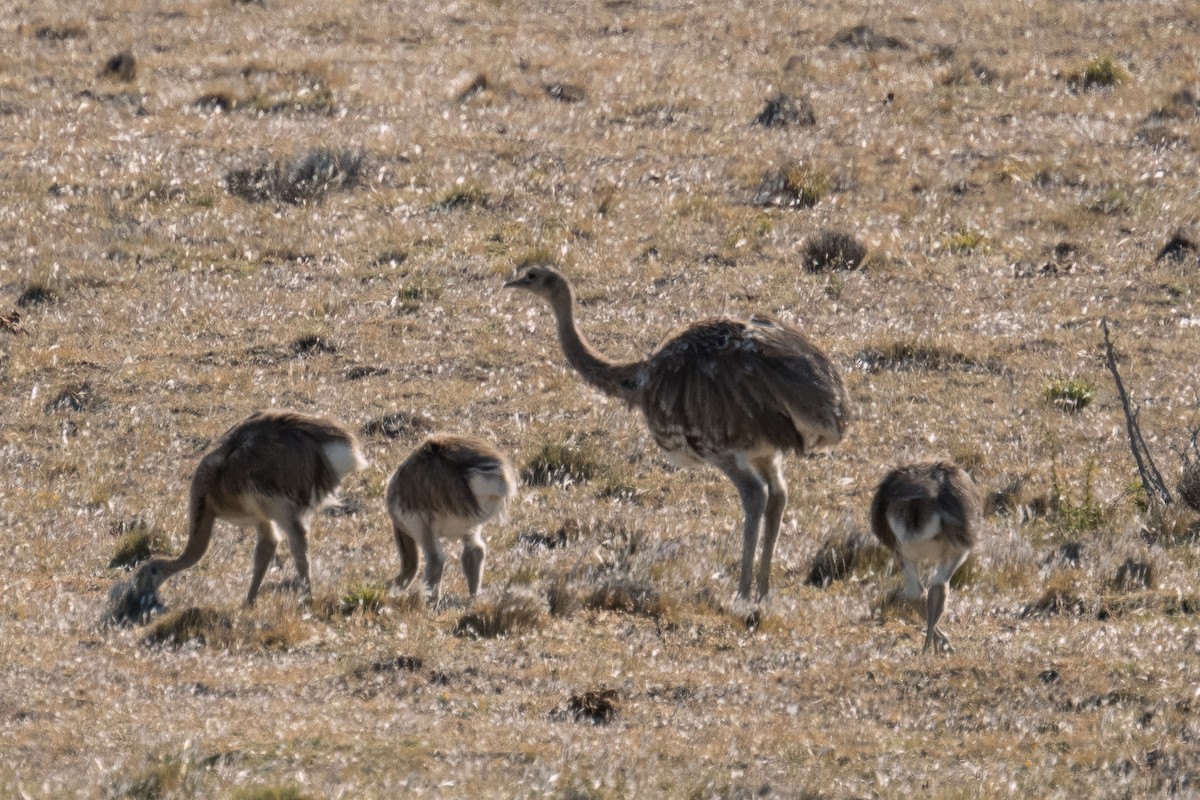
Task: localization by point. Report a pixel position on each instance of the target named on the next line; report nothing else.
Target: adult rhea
(736, 394)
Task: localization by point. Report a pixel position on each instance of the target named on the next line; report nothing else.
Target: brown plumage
(736, 394)
(271, 469)
(447, 488)
(928, 513)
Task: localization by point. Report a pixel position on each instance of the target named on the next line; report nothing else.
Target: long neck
(201, 518)
(613, 378)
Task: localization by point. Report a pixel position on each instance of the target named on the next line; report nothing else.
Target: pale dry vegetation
(314, 205)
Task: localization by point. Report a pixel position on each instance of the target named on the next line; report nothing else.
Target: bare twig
(1152, 480)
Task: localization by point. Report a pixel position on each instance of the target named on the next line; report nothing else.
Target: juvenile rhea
(736, 394)
(447, 488)
(928, 513)
(271, 470)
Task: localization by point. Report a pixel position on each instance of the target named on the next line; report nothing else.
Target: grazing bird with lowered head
(271, 470)
(736, 394)
(928, 513)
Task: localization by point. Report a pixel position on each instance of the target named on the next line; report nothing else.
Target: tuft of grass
(562, 598)
(782, 111)
(833, 250)
(464, 194)
(416, 290)
(271, 793)
(364, 600)
(167, 778)
(75, 397)
(563, 462)
(966, 241)
(1071, 395)
(307, 178)
(509, 614)
(1086, 514)
(398, 424)
(1059, 597)
(597, 706)
(138, 542)
(202, 625)
(1102, 73)
(907, 354)
(1171, 526)
(1134, 575)
(793, 187)
(628, 596)
(838, 559)
(37, 293)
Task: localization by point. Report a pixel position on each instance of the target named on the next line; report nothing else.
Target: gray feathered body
(930, 499)
(282, 455)
(725, 385)
(452, 475)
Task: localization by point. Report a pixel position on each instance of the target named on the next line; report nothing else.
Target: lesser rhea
(447, 488)
(736, 394)
(271, 470)
(928, 513)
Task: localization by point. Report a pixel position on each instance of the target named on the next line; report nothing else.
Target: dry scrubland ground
(1007, 197)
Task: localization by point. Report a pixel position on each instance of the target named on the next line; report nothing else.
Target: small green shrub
(364, 599)
(1103, 73)
(966, 241)
(1071, 395)
(793, 187)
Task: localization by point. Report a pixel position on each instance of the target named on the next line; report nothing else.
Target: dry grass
(1017, 169)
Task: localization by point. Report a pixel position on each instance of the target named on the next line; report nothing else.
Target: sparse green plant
(966, 241)
(1084, 514)
(364, 599)
(1102, 73)
(1071, 395)
(416, 290)
(1114, 201)
(798, 186)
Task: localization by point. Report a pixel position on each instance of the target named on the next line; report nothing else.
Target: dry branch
(1152, 480)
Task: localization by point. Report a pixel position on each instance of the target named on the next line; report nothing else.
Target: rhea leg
(435, 559)
(298, 544)
(264, 550)
(473, 554)
(752, 490)
(777, 495)
(934, 607)
(407, 547)
(936, 604)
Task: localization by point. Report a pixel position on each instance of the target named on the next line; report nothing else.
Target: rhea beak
(516, 283)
